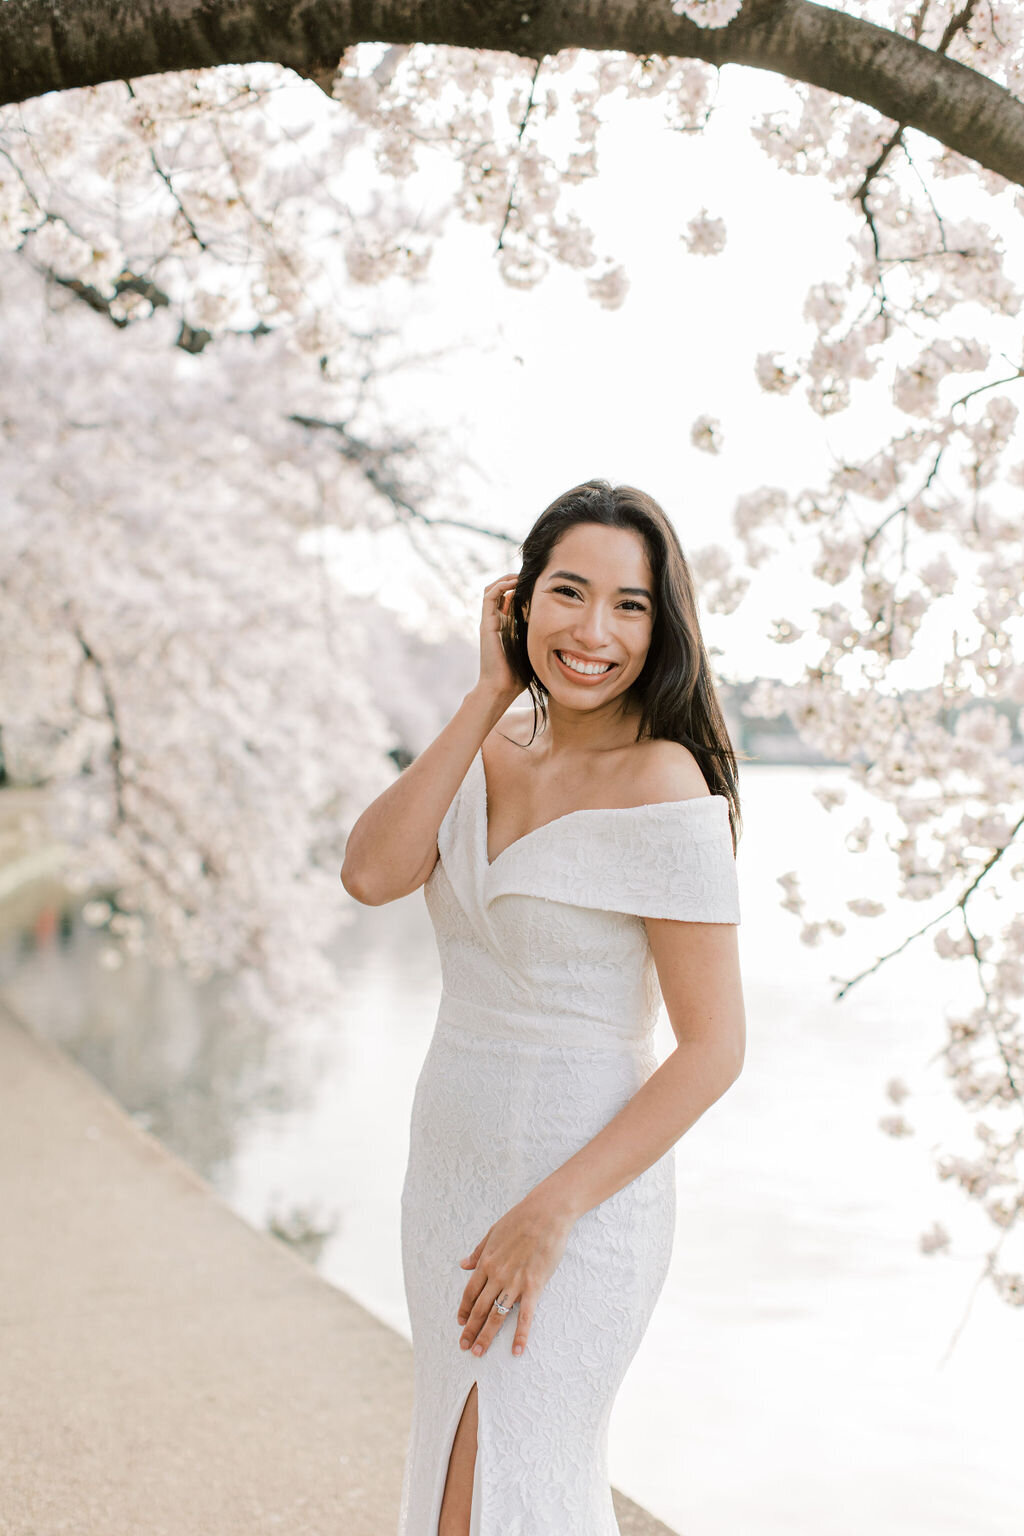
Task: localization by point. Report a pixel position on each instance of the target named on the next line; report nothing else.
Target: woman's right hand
(393, 847)
(496, 675)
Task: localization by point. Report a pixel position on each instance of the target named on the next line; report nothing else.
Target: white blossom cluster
(171, 663)
(708, 13)
(704, 235)
(706, 434)
(517, 153)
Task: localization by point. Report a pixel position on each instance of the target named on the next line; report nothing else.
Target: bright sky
(546, 388)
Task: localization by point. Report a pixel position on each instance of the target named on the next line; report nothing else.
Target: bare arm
(392, 847)
(698, 968)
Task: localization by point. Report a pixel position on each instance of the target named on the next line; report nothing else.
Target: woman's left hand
(513, 1261)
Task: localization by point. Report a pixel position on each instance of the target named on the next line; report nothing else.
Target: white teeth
(588, 668)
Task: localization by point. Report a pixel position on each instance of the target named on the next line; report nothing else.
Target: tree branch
(373, 463)
(44, 47)
(960, 904)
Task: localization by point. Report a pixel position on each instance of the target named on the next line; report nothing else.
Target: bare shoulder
(513, 729)
(664, 770)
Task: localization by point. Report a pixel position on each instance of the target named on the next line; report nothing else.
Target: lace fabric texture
(544, 1032)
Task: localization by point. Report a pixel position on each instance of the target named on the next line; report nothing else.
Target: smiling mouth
(585, 668)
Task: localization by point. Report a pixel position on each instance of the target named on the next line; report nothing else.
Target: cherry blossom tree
(181, 208)
(187, 414)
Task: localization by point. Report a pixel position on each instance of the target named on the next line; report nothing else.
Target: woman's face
(591, 615)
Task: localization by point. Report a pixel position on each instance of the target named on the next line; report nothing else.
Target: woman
(575, 857)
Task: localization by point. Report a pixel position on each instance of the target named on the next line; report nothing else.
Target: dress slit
(445, 1465)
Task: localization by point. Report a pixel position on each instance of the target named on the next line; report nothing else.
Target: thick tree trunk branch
(48, 47)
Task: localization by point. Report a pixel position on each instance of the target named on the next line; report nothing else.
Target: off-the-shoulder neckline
(585, 810)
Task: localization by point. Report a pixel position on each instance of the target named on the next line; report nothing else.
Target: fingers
(476, 1302)
(492, 1324)
(470, 1296)
(478, 1315)
(527, 1308)
(484, 1321)
(481, 1321)
(497, 593)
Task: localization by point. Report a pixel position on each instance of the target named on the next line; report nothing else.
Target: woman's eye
(630, 602)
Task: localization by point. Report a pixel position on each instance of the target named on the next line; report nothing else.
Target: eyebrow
(585, 582)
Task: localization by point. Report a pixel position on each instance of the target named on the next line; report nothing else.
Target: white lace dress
(544, 1032)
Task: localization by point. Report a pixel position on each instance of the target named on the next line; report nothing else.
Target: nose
(592, 628)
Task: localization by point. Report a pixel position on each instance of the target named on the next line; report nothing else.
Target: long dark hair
(675, 689)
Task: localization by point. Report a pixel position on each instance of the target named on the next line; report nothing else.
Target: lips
(596, 670)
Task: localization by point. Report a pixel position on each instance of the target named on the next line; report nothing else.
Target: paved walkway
(166, 1369)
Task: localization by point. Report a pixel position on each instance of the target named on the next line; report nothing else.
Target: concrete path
(166, 1369)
